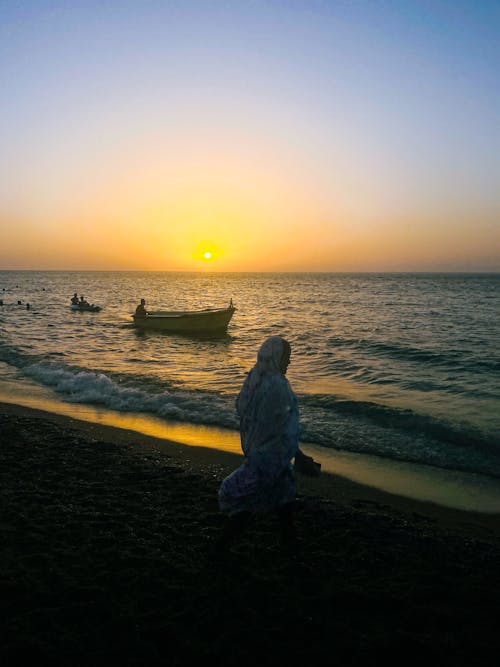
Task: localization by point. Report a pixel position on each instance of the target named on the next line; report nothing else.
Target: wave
(124, 392)
(363, 427)
(81, 386)
(399, 434)
(452, 358)
(327, 420)
(403, 419)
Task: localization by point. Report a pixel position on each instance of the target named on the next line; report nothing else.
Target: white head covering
(269, 359)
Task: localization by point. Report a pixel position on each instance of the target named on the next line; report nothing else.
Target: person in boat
(83, 302)
(269, 431)
(140, 311)
(74, 299)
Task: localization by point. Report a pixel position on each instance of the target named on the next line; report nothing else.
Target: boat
(85, 309)
(187, 321)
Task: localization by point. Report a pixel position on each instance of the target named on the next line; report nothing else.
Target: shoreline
(450, 488)
(216, 463)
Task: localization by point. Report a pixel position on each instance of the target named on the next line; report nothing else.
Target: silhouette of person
(269, 431)
(74, 299)
(140, 311)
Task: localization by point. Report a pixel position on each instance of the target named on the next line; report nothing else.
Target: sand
(107, 557)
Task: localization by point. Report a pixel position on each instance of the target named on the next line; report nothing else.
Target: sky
(242, 135)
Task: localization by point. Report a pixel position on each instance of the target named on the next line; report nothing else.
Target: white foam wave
(99, 389)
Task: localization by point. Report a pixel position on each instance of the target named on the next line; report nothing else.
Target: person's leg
(234, 526)
(286, 523)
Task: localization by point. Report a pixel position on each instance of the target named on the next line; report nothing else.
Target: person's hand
(306, 465)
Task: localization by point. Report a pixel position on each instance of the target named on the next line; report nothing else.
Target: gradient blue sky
(279, 135)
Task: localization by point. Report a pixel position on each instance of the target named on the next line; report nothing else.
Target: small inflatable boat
(85, 309)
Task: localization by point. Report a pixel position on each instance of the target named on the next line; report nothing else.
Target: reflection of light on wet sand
(187, 434)
(466, 491)
(451, 488)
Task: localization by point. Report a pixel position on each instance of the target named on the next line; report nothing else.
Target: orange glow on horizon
(237, 212)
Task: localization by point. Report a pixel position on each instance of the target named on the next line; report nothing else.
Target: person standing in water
(269, 431)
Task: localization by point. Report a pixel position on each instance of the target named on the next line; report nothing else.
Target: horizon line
(205, 272)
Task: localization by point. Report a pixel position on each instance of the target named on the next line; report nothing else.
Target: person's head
(274, 355)
(143, 302)
(75, 294)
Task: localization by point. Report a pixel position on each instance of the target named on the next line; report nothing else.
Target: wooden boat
(187, 321)
(85, 309)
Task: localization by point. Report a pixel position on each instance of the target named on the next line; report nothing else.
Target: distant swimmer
(74, 299)
(140, 311)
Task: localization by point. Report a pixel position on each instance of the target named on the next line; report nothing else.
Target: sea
(399, 368)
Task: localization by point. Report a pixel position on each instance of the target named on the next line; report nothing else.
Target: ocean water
(402, 366)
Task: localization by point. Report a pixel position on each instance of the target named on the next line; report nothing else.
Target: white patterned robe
(269, 429)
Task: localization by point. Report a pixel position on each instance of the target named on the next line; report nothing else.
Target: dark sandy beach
(107, 558)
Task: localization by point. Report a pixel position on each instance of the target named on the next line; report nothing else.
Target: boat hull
(86, 309)
(198, 322)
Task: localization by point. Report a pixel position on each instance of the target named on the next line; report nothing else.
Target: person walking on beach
(269, 431)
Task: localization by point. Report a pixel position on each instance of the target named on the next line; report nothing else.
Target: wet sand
(107, 557)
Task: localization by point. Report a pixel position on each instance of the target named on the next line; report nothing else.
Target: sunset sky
(250, 135)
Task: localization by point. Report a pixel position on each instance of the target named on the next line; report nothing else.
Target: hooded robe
(269, 431)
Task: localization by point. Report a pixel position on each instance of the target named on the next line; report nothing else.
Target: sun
(207, 253)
